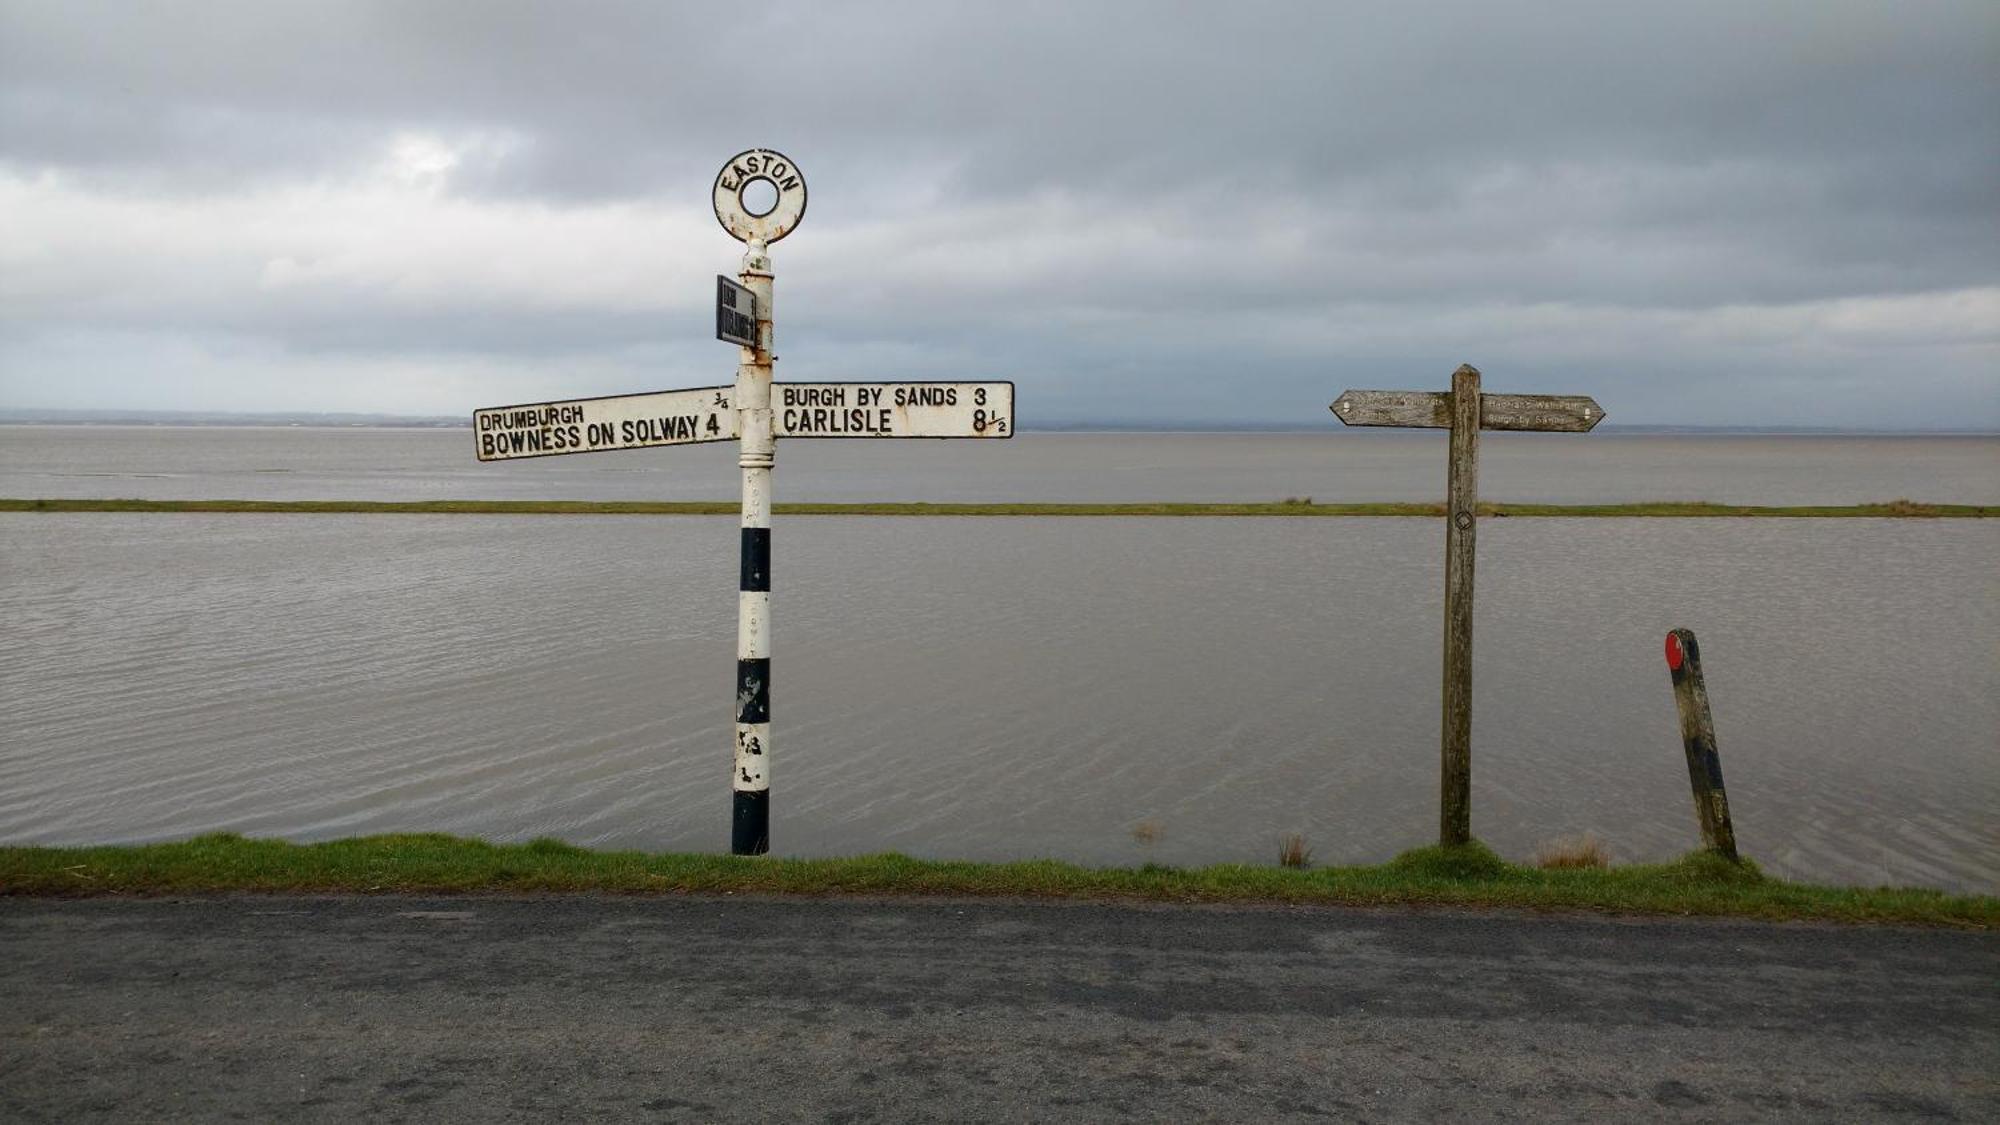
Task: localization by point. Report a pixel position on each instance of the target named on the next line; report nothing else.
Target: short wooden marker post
(1464, 411)
(1711, 802)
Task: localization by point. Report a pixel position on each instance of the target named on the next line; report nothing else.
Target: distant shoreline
(1292, 508)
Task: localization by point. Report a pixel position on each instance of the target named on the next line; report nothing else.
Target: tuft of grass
(1293, 852)
(1472, 876)
(1474, 861)
(1572, 851)
(1708, 868)
(1906, 507)
(1290, 506)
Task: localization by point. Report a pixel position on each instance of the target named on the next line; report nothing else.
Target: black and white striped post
(755, 413)
(750, 783)
(764, 414)
(750, 776)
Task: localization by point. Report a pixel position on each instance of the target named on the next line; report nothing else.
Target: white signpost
(756, 413)
(822, 410)
(908, 410)
(592, 425)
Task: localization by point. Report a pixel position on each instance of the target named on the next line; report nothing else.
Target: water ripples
(988, 688)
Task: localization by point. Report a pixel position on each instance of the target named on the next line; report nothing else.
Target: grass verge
(1892, 509)
(1699, 884)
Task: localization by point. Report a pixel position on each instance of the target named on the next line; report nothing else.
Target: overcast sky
(1706, 213)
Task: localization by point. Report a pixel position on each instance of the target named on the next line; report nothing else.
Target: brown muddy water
(1124, 690)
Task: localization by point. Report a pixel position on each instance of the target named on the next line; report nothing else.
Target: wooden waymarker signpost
(755, 412)
(1464, 411)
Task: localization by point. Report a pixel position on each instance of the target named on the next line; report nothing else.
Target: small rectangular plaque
(735, 313)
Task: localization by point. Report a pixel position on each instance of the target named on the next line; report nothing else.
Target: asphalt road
(590, 1008)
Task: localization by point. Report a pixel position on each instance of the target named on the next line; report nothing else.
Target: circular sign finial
(760, 165)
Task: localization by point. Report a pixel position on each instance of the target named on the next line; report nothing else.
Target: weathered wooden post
(1711, 802)
(1464, 411)
(1461, 506)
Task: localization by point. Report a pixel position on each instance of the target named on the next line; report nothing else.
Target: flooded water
(994, 688)
(221, 463)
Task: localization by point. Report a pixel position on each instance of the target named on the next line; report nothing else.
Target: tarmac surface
(729, 1008)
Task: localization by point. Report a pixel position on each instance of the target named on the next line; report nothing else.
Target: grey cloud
(1039, 94)
(1108, 193)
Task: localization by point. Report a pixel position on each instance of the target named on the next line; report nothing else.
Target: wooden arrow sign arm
(1430, 409)
(1566, 413)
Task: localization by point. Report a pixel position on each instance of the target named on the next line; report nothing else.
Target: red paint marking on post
(1674, 656)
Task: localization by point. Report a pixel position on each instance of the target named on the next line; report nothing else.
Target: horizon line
(350, 419)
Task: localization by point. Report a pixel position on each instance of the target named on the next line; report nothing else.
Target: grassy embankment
(1294, 507)
(1699, 884)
